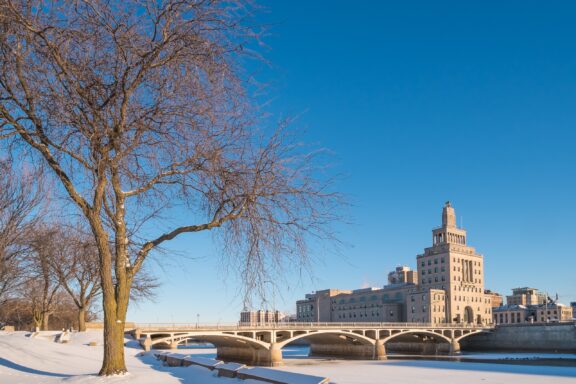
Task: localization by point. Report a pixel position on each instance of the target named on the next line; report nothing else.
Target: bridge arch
(472, 332)
(417, 332)
(218, 339)
(314, 335)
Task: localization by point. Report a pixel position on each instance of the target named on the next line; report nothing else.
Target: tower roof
(448, 215)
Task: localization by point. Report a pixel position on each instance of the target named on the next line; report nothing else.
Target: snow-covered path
(25, 360)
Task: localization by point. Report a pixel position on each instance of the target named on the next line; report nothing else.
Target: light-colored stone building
(261, 317)
(448, 286)
(553, 313)
(453, 266)
(401, 275)
(512, 314)
(528, 305)
(526, 296)
(495, 298)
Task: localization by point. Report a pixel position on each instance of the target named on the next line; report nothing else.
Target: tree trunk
(82, 320)
(113, 363)
(37, 318)
(45, 318)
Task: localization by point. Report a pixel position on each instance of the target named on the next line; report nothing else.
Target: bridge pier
(174, 345)
(137, 333)
(347, 350)
(380, 351)
(147, 344)
(454, 347)
(263, 357)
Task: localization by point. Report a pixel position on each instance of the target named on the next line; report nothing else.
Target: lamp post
(197, 320)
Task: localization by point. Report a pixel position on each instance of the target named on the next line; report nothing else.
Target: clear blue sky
(421, 102)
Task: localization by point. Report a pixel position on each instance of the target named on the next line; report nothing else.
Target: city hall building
(447, 287)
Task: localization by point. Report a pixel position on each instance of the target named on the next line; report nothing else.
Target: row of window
(474, 299)
(361, 315)
(435, 270)
(436, 296)
(435, 308)
(436, 279)
(457, 259)
(423, 263)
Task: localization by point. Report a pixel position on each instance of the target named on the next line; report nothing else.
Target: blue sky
(420, 102)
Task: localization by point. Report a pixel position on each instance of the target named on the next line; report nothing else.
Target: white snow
(25, 360)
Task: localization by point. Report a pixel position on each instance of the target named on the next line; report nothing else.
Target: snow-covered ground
(25, 360)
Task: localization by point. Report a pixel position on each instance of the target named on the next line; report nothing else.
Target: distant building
(573, 305)
(535, 307)
(402, 275)
(512, 314)
(261, 317)
(553, 312)
(526, 296)
(317, 306)
(495, 298)
(448, 287)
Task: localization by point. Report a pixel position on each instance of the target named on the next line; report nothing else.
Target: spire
(448, 215)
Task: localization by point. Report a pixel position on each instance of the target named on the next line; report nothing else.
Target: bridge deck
(176, 327)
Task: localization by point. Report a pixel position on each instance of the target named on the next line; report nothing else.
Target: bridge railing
(298, 325)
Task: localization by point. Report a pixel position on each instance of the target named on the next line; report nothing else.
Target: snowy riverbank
(25, 360)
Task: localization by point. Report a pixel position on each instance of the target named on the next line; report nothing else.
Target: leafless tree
(20, 197)
(140, 109)
(42, 286)
(75, 263)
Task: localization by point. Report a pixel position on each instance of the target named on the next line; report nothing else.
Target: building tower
(454, 267)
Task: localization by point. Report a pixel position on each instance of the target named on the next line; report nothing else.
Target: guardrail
(294, 325)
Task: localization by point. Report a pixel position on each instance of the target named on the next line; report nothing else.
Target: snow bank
(25, 360)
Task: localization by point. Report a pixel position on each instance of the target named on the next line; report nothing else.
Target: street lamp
(197, 320)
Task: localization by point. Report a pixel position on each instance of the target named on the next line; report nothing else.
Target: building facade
(553, 313)
(528, 305)
(526, 296)
(261, 317)
(495, 298)
(447, 287)
(512, 314)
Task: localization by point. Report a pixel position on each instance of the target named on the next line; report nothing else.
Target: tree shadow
(21, 368)
(183, 374)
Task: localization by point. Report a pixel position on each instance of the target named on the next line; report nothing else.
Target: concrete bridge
(261, 344)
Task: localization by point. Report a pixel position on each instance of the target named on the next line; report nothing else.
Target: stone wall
(553, 337)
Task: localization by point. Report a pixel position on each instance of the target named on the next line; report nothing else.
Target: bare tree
(42, 285)
(139, 108)
(20, 197)
(75, 263)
